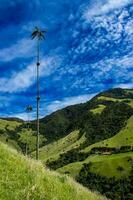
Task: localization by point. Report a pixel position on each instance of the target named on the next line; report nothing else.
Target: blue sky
(88, 49)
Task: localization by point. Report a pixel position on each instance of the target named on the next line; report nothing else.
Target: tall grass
(22, 178)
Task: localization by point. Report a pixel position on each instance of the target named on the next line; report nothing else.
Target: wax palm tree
(28, 110)
(39, 35)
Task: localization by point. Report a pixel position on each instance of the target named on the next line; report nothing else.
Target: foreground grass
(24, 179)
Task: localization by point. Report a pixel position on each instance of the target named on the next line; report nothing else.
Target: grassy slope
(116, 100)
(102, 163)
(23, 179)
(123, 138)
(11, 125)
(52, 150)
(8, 126)
(105, 165)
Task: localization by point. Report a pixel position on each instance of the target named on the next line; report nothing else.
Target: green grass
(99, 109)
(131, 103)
(123, 138)
(25, 179)
(11, 143)
(104, 165)
(10, 125)
(111, 99)
(7, 130)
(53, 150)
(128, 91)
(116, 100)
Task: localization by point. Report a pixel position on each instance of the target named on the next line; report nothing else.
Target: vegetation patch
(115, 189)
(98, 110)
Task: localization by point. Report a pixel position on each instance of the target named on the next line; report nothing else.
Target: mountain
(62, 122)
(92, 142)
(12, 119)
(22, 178)
(100, 118)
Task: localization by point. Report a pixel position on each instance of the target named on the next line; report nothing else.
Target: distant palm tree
(39, 35)
(28, 110)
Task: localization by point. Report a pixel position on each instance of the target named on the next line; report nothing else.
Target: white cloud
(53, 106)
(19, 81)
(23, 48)
(99, 74)
(125, 85)
(23, 116)
(59, 104)
(100, 8)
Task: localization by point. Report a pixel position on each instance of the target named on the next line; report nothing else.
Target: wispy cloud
(20, 81)
(58, 104)
(52, 107)
(102, 7)
(125, 85)
(22, 49)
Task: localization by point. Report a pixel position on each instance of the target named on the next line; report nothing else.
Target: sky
(88, 49)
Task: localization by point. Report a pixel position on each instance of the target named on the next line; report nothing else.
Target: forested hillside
(92, 142)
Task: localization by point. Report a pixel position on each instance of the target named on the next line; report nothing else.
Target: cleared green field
(9, 125)
(52, 150)
(105, 165)
(108, 99)
(99, 109)
(115, 100)
(25, 179)
(123, 138)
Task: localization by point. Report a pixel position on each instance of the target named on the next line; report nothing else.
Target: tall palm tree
(39, 35)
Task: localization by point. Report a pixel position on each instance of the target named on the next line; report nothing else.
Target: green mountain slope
(54, 149)
(88, 140)
(106, 153)
(98, 120)
(103, 165)
(22, 178)
(123, 138)
(11, 130)
(113, 106)
(8, 132)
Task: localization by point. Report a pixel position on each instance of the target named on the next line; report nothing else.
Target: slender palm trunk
(28, 128)
(38, 101)
(26, 149)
